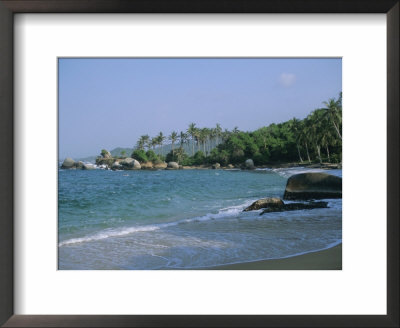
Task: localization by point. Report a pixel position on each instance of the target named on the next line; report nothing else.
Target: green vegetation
(316, 138)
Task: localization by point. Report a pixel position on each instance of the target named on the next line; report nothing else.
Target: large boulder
(313, 186)
(130, 164)
(230, 166)
(173, 166)
(263, 203)
(68, 163)
(160, 166)
(249, 164)
(216, 166)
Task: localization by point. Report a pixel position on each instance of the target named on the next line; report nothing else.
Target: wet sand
(328, 259)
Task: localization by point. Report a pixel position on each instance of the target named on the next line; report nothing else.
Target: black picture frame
(10, 7)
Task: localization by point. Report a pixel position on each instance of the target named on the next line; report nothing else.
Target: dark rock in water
(294, 207)
(78, 165)
(68, 163)
(263, 203)
(313, 186)
(216, 166)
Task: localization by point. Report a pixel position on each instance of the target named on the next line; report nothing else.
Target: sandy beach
(328, 259)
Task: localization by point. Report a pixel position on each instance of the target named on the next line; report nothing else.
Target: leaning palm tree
(295, 127)
(333, 109)
(173, 137)
(192, 132)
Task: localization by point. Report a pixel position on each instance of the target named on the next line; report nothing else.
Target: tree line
(316, 138)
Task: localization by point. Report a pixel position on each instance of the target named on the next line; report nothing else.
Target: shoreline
(327, 259)
(323, 166)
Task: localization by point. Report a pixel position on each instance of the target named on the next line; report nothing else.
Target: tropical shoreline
(327, 259)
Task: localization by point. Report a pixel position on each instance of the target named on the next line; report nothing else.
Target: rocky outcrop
(147, 165)
(295, 207)
(173, 166)
(130, 164)
(160, 166)
(263, 203)
(216, 166)
(106, 154)
(68, 163)
(105, 161)
(230, 166)
(313, 186)
(249, 164)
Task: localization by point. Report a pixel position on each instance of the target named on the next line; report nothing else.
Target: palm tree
(192, 131)
(333, 109)
(173, 137)
(146, 141)
(295, 127)
(140, 143)
(160, 139)
(154, 142)
(218, 132)
(305, 137)
(183, 138)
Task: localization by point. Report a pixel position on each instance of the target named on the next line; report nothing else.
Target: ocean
(183, 219)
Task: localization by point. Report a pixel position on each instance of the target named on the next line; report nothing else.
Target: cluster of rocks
(306, 187)
(106, 161)
(69, 163)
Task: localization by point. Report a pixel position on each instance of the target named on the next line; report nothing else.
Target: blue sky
(108, 103)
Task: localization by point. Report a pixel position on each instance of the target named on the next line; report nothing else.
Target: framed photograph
(182, 164)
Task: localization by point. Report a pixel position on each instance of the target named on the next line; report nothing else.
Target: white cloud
(287, 79)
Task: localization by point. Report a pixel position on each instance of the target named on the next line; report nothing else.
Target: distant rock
(68, 163)
(161, 165)
(88, 167)
(313, 186)
(295, 207)
(147, 165)
(130, 164)
(263, 203)
(173, 166)
(249, 164)
(230, 166)
(106, 154)
(216, 166)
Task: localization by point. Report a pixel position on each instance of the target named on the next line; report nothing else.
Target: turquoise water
(182, 219)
